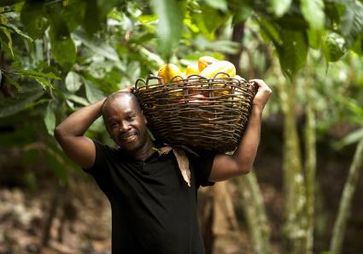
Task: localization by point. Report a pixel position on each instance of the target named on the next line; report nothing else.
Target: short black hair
(117, 95)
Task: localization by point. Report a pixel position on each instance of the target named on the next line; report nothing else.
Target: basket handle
(140, 80)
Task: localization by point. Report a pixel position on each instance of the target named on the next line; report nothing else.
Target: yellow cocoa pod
(204, 61)
(221, 66)
(168, 71)
(192, 69)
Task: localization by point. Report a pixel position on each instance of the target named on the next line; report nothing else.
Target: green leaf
(73, 81)
(62, 45)
(207, 25)
(333, 47)
(217, 4)
(269, 30)
(50, 118)
(93, 94)
(92, 19)
(352, 22)
(313, 12)
(5, 37)
(351, 138)
(34, 19)
(98, 47)
(292, 52)
(13, 105)
(17, 31)
(64, 50)
(36, 74)
(45, 83)
(280, 7)
(169, 25)
(77, 99)
(357, 47)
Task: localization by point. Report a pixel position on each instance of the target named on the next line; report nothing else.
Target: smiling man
(153, 209)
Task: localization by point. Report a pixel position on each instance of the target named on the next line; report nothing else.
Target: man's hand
(128, 89)
(263, 93)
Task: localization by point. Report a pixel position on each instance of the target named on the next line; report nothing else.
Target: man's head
(125, 122)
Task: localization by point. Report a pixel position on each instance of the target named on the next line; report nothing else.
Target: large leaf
(352, 22)
(34, 19)
(169, 25)
(77, 99)
(97, 46)
(280, 7)
(333, 47)
(95, 13)
(63, 47)
(50, 118)
(93, 94)
(351, 138)
(35, 74)
(92, 19)
(17, 31)
(293, 51)
(269, 30)
(217, 4)
(13, 105)
(207, 25)
(6, 41)
(43, 78)
(313, 12)
(73, 81)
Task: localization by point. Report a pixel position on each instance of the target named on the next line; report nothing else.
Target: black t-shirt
(153, 208)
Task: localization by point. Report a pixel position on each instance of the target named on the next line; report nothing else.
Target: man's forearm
(78, 122)
(247, 148)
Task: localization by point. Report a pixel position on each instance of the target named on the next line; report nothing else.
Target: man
(153, 209)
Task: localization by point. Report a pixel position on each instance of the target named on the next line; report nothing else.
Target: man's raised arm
(241, 162)
(70, 134)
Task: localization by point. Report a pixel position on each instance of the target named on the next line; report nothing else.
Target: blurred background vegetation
(303, 196)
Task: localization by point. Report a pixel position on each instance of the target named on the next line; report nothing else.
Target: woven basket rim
(213, 122)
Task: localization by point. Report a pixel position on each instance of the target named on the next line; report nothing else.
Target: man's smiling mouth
(128, 138)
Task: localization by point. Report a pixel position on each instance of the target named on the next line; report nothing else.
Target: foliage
(56, 56)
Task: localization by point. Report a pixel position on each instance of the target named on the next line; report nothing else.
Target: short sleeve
(101, 151)
(100, 170)
(202, 167)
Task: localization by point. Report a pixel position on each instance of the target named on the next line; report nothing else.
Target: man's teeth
(128, 137)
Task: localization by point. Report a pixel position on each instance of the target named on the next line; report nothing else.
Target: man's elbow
(58, 133)
(245, 166)
(245, 170)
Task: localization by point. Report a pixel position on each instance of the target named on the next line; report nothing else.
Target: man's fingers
(262, 85)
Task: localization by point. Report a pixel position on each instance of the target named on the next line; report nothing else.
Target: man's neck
(145, 151)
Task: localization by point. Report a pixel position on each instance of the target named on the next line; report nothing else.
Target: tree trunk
(310, 166)
(346, 201)
(294, 182)
(255, 213)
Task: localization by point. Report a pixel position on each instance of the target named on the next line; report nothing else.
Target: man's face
(126, 123)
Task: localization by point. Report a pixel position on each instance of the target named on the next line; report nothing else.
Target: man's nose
(124, 126)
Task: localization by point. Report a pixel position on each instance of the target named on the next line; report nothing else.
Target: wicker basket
(199, 113)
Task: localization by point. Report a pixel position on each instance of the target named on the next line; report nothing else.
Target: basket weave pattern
(196, 112)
